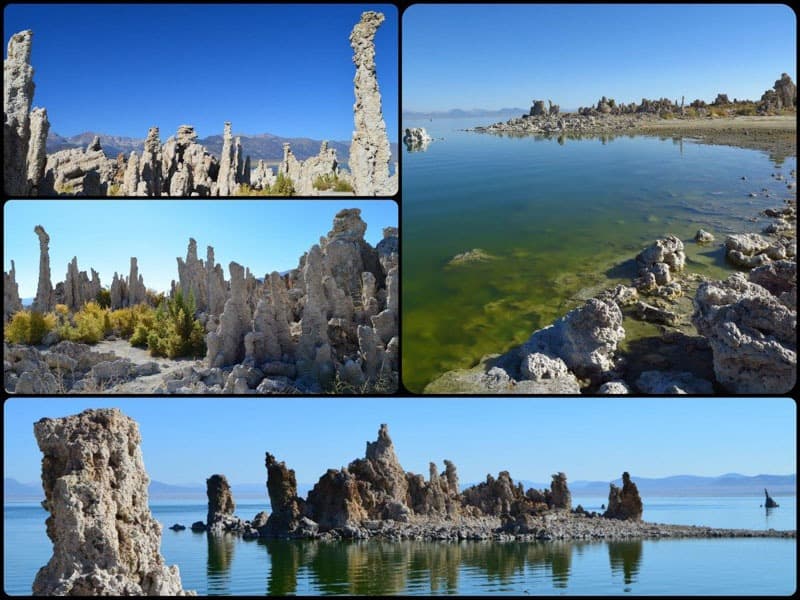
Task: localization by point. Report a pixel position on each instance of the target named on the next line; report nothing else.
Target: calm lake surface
(561, 218)
(229, 565)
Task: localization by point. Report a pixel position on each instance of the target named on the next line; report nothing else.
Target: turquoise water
(230, 565)
(557, 218)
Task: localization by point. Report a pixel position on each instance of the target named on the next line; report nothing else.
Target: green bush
(342, 186)
(29, 327)
(331, 181)
(91, 324)
(103, 298)
(283, 186)
(124, 321)
(171, 330)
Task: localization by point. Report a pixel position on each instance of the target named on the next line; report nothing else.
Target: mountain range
(730, 484)
(460, 113)
(262, 146)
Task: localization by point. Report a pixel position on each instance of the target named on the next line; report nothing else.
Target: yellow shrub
(91, 325)
(62, 310)
(28, 327)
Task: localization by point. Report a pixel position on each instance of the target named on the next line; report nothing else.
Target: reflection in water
(220, 557)
(378, 567)
(626, 557)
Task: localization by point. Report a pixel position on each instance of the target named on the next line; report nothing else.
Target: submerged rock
(105, 541)
(471, 256)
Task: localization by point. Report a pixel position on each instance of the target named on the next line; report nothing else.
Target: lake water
(559, 217)
(230, 565)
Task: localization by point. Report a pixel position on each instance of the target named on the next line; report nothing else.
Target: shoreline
(774, 134)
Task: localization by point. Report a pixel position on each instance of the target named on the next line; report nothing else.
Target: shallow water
(559, 218)
(230, 565)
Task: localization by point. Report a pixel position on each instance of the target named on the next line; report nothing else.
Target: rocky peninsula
(373, 497)
(328, 326)
(181, 167)
(767, 124)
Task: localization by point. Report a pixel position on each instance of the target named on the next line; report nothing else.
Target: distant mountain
(262, 146)
(730, 484)
(459, 113)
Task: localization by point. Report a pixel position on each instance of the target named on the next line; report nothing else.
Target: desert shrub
(62, 310)
(90, 325)
(342, 186)
(103, 298)
(29, 327)
(155, 298)
(246, 190)
(172, 330)
(125, 320)
(747, 110)
(283, 186)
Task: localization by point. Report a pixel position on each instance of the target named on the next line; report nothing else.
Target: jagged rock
(494, 496)
(381, 468)
(769, 502)
(389, 249)
(79, 172)
(538, 108)
(150, 175)
(78, 289)
(560, 494)
(336, 500)
(220, 500)
(225, 346)
(654, 314)
(105, 541)
(780, 278)
(621, 294)
(137, 293)
(585, 339)
(753, 336)
(672, 382)
(287, 507)
(262, 176)
(304, 173)
(226, 180)
(664, 257)
(37, 152)
(11, 300)
(703, 237)
(625, 503)
(17, 98)
(416, 138)
(44, 301)
(747, 249)
(194, 278)
(614, 388)
(369, 151)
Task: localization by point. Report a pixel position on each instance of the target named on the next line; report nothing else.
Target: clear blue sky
(264, 235)
(496, 56)
(281, 69)
(186, 440)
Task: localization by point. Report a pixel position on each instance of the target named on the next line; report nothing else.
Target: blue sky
(496, 56)
(281, 69)
(186, 440)
(264, 235)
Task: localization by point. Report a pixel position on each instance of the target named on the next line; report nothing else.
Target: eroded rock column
(105, 541)
(44, 301)
(17, 98)
(370, 152)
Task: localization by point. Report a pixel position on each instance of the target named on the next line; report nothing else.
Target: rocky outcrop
(658, 263)
(220, 503)
(624, 503)
(782, 95)
(37, 152)
(225, 346)
(769, 502)
(44, 301)
(11, 300)
(137, 293)
(538, 108)
(228, 165)
(560, 494)
(585, 339)
(662, 383)
(287, 507)
(753, 335)
(78, 288)
(105, 541)
(17, 98)
(305, 173)
(150, 165)
(370, 153)
(79, 172)
(416, 138)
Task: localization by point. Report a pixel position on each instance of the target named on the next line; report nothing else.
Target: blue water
(230, 565)
(558, 218)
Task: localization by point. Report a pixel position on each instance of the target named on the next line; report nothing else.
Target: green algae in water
(562, 221)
